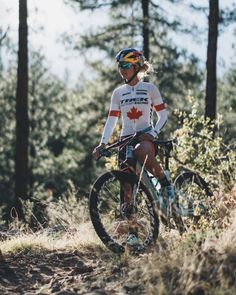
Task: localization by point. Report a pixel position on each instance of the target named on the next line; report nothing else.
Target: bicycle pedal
(136, 249)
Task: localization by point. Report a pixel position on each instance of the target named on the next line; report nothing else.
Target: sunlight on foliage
(201, 149)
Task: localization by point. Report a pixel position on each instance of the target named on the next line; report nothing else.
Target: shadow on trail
(50, 272)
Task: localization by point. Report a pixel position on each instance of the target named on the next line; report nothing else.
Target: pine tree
(218, 20)
(22, 120)
(211, 64)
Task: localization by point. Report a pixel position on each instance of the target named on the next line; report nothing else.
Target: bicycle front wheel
(110, 225)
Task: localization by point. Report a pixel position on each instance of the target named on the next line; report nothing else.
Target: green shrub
(201, 149)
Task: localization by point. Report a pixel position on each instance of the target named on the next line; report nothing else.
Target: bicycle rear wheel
(104, 207)
(192, 193)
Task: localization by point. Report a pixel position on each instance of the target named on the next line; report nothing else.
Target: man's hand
(146, 136)
(96, 151)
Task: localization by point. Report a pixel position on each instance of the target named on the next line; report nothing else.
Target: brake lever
(104, 153)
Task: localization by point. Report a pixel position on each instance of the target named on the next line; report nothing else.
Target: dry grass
(203, 261)
(80, 238)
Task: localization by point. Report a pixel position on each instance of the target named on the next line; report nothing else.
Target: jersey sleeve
(160, 108)
(112, 118)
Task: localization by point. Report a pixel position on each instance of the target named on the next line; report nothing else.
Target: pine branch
(199, 8)
(227, 16)
(3, 37)
(92, 5)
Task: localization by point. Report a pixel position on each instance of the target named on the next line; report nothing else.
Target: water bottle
(130, 160)
(154, 181)
(129, 152)
(166, 172)
(157, 186)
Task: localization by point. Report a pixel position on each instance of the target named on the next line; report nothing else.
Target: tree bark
(145, 8)
(22, 120)
(211, 81)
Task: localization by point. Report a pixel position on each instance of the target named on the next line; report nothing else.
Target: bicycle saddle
(166, 144)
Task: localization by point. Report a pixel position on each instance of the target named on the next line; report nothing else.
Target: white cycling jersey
(135, 105)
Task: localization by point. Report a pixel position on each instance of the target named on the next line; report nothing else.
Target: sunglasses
(124, 65)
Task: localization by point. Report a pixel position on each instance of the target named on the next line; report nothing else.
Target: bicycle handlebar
(128, 140)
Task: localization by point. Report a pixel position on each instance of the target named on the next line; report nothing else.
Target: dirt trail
(64, 273)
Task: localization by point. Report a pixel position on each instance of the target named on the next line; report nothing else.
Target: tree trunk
(211, 83)
(22, 120)
(145, 8)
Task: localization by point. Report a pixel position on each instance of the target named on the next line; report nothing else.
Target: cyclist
(135, 102)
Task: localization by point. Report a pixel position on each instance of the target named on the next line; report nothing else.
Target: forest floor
(189, 266)
(62, 273)
(89, 269)
(74, 261)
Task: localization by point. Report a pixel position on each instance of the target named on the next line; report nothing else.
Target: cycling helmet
(130, 55)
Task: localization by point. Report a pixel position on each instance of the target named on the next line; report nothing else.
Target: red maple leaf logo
(134, 113)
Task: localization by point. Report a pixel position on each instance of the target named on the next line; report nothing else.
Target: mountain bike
(149, 206)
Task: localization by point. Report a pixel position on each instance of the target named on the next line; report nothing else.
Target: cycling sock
(164, 182)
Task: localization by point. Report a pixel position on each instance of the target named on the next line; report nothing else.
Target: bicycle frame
(142, 173)
(156, 195)
(146, 180)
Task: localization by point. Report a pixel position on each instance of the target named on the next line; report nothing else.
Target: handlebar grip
(103, 153)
